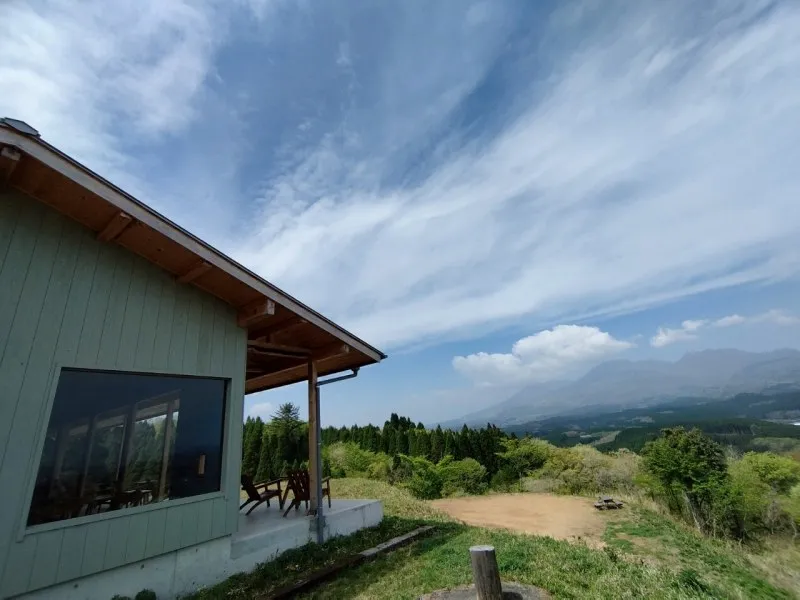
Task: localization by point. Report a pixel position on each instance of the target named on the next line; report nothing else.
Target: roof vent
(21, 126)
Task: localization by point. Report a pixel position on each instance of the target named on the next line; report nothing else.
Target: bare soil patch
(560, 517)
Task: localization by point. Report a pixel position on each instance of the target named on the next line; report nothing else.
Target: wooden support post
(162, 479)
(313, 437)
(485, 573)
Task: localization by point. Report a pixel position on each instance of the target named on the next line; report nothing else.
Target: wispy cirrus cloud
(618, 168)
(420, 172)
(99, 79)
(689, 330)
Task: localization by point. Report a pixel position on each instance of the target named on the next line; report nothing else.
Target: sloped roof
(282, 331)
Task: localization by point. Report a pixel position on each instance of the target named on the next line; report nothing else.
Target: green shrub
(779, 472)
(688, 471)
(347, 459)
(380, 468)
(465, 476)
(146, 595)
(505, 480)
(525, 455)
(751, 497)
(425, 482)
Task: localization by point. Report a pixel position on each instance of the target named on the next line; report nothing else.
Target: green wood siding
(67, 300)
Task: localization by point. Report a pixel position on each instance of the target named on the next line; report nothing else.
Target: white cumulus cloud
(729, 321)
(259, 409)
(546, 355)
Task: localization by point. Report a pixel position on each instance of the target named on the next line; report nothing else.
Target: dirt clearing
(560, 517)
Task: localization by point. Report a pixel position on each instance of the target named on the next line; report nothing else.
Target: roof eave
(62, 163)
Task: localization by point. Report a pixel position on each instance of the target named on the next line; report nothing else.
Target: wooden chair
(260, 492)
(300, 486)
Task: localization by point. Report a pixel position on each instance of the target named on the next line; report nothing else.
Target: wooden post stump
(485, 573)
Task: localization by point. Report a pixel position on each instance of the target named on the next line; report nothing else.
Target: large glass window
(117, 440)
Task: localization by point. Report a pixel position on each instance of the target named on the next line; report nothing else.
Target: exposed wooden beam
(194, 272)
(319, 356)
(329, 351)
(266, 333)
(268, 347)
(266, 362)
(255, 311)
(118, 223)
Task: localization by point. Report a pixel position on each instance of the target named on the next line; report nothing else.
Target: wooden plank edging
(352, 560)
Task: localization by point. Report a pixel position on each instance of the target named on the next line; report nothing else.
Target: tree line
(270, 449)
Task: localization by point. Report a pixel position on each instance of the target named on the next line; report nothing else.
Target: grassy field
(647, 556)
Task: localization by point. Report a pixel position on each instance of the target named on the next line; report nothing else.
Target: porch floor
(266, 530)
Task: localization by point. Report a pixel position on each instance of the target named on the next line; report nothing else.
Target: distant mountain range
(621, 384)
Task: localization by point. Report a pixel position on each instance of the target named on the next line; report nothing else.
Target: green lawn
(629, 567)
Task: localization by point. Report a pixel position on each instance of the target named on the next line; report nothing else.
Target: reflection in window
(114, 441)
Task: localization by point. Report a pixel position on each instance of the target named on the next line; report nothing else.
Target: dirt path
(560, 517)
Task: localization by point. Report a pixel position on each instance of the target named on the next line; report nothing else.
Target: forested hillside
(711, 480)
(744, 422)
(269, 449)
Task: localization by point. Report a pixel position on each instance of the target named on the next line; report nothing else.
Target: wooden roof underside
(283, 334)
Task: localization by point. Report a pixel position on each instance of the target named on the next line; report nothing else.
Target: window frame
(35, 458)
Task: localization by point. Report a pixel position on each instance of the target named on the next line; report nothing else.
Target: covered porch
(266, 532)
(284, 348)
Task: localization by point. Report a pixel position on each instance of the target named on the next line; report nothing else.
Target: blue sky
(495, 193)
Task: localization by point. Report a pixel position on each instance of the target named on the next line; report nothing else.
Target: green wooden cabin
(127, 346)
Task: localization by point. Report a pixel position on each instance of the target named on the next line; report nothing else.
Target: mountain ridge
(625, 383)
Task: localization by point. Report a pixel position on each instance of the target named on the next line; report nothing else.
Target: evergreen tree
(401, 442)
(388, 444)
(437, 444)
(264, 471)
(449, 444)
(287, 419)
(423, 444)
(411, 440)
(252, 450)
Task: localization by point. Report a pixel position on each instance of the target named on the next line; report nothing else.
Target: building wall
(184, 571)
(67, 300)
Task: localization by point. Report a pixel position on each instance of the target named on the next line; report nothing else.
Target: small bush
(779, 472)
(465, 476)
(425, 482)
(146, 595)
(505, 480)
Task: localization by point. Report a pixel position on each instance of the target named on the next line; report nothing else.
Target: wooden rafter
(319, 355)
(266, 332)
(118, 223)
(256, 311)
(198, 269)
(278, 349)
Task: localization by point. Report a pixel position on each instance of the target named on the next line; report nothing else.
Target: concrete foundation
(261, 537)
